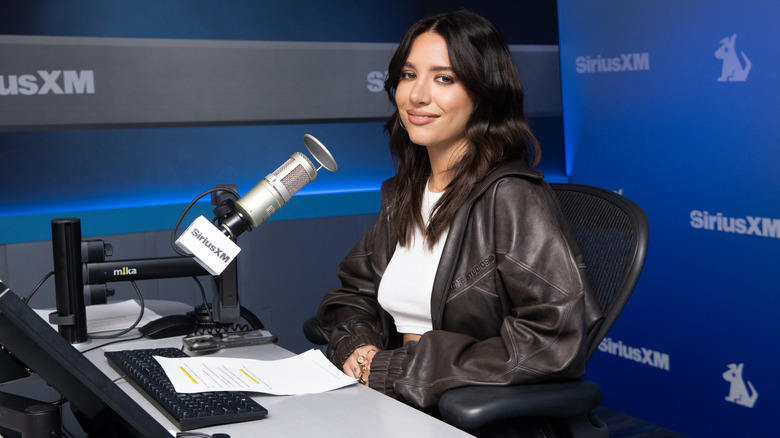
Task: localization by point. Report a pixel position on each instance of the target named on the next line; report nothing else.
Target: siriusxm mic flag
(211, 248)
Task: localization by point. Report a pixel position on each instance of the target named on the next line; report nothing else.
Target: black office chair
(612, 232)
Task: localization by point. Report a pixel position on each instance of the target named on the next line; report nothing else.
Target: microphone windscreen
(293, 175)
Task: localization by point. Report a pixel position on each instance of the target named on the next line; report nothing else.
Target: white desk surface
(354, 411)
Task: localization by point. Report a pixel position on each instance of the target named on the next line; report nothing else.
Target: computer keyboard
(187, 411)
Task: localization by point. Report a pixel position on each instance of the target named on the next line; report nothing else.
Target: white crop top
(406, 287)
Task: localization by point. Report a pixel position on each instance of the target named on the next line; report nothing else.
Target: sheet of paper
(307, 373)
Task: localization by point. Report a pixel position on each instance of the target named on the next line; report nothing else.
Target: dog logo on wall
(732, 69)
(738, 392)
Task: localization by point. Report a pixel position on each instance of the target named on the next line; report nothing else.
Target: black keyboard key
(187, 411)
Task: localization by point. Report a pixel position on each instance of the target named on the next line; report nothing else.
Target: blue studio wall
(676, 105)
(132, 178)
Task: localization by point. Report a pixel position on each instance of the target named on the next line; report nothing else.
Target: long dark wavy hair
(497, 130)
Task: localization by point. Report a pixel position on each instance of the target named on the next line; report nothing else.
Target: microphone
(213, 247)
(270, 194)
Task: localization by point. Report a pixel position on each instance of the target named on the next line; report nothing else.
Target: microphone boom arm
(226, 305)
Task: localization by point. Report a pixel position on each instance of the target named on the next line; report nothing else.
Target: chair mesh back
(606, 238)
(608, 234)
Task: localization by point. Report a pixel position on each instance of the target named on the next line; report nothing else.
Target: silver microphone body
(273, 191)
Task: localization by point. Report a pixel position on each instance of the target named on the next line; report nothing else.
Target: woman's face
(432, 103)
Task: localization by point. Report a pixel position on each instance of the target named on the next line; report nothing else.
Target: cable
(109, 343)
(251, 318)
(203, 297)
(37, 286)
(140, 316)
(187, 209)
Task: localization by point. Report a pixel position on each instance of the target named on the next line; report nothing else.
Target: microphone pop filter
(320, 153)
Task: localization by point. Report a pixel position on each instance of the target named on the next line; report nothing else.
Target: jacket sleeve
(541, 331)
(350, 316)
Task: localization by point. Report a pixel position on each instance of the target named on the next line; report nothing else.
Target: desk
(354, 411)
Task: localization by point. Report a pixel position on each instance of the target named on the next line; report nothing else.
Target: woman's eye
(407, 75)
(445, 79)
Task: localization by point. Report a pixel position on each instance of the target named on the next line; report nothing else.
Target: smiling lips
(418, 118)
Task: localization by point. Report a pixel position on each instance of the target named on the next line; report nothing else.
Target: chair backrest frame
(600, 218)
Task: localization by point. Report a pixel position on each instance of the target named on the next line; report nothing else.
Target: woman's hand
(358, 364)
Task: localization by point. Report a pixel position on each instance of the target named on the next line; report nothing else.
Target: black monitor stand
(101, 406)
(27, 417)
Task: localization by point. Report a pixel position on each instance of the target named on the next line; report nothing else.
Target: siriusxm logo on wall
(48, 82)
(738, 391)
(735, 69)
(748, 225)
(645, 356)
(110, 82)
(676, 104)
(623, 63)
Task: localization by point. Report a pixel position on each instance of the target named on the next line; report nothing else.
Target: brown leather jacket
(511, 302)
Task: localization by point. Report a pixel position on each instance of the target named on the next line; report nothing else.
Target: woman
(470, 274)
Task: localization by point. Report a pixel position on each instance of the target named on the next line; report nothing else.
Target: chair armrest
(313, 333)
(471, 407)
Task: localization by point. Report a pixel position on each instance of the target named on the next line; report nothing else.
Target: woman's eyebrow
(435, 68)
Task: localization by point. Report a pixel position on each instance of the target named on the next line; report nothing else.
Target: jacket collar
(512, 168)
